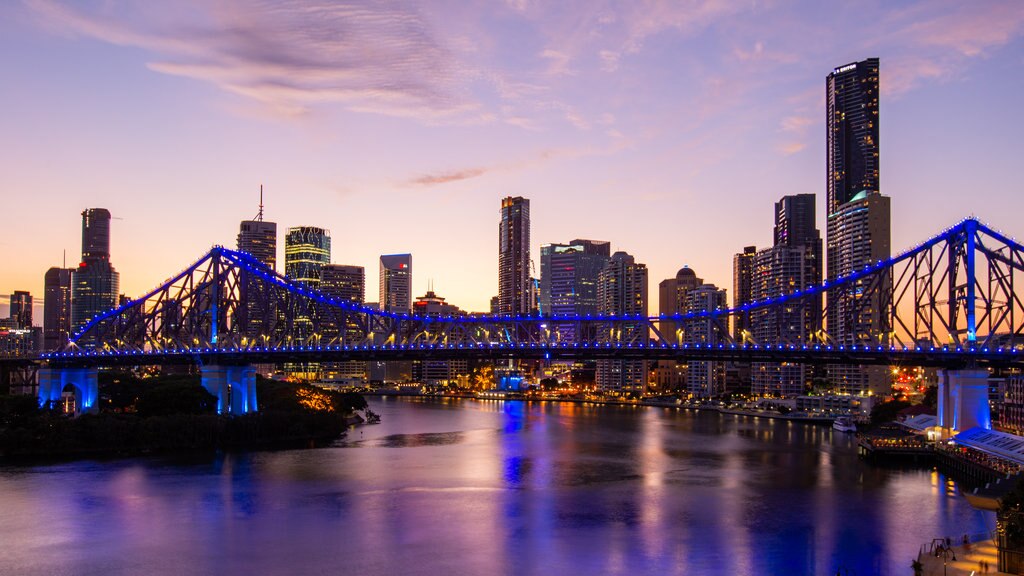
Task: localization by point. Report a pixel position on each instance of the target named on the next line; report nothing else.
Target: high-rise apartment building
(622, 290)
(742, 271)
(56, 308)
(95, 284)
(705, 379)
(307, 249)
(670, 375)
(396, 283)
(514, 256)
(858, 232)
(792, 263)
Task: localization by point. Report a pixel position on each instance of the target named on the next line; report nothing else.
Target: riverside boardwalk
(967, 561)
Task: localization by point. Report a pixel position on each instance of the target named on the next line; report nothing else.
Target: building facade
(56, 308)
(622, 290)
(307, 249)
(514, 256)
(705, 379)
(348, 284)
(396, 283)
(858, 230)
(95, 285)
(569, 276)
(259, 238)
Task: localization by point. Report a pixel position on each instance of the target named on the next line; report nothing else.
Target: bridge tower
(234, 387)
(963, 400)
(84, 382)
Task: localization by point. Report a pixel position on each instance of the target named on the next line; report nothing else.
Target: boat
(844, 424)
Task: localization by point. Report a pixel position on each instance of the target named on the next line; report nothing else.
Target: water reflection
(465, 487)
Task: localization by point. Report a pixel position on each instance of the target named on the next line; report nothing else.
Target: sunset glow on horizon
(667, 128)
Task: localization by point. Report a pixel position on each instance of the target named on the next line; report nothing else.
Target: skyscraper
(343, 282)
(95, 284)
(704, 379)
(568, 280)
(514, 256)
(307, 249)
(742, 271)
(851, 121)
(21, 309)
(622, 290)
(347, 283)
(259, 238)
(396, 283)
(792, 263)
(56, 308)
(858, 218)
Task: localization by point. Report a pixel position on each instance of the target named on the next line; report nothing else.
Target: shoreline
(816, 420)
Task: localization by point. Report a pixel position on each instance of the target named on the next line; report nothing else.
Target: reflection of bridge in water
(949, 302)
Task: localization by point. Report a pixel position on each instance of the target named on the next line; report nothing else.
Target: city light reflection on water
(466, 487)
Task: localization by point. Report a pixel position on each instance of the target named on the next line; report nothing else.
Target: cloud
(447, 177)
(791, 148)
(937, 44)
(795, 123)
(759, 54)
(288, 54)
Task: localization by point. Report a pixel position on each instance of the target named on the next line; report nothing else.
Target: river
(492, 488)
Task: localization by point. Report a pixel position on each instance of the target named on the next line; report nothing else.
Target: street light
(946, 552)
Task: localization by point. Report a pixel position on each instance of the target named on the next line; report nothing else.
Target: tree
(931, 397)
(887, 411)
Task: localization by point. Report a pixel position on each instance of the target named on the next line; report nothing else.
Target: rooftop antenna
(259, 217)
(65, 262)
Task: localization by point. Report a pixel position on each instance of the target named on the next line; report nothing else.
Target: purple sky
(668, 128)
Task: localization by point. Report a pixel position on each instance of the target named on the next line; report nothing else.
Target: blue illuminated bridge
(949, 302)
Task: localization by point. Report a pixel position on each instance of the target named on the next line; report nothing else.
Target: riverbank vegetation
(175, 414)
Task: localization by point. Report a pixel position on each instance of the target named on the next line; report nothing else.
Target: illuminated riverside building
(347, 283)
(259, 238)
(669, 374)
(396, 283)
(792, 263)
(742, 271)
(704, 379)
(622, 290)
(395, 296)
(514, 256)
(94, 284)
(568, 280)
(56, 308)
(307, 249)
(438, 372)
(858, 232)
(21, 309)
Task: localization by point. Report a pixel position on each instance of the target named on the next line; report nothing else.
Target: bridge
(948, 302)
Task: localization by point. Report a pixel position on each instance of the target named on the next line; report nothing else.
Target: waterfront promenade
(967, 561)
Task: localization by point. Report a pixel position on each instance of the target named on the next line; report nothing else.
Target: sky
(668, 128)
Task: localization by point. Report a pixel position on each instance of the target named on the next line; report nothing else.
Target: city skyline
(608, 161)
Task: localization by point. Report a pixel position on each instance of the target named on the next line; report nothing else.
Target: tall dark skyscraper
(94, 284)
(56, 308)
(568, 279)
(851, 120)
(742, 277)
(514, 256)
(792, 263)
(858, 217)
(307, 249)
(21, 309)
(259, 238)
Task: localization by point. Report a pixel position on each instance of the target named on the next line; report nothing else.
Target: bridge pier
(84, 381)
(963, 400)
(234, 387)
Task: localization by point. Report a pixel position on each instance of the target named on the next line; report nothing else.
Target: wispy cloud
(447, 177)
(288, 54)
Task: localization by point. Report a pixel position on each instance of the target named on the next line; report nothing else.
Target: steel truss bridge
(950, 301)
